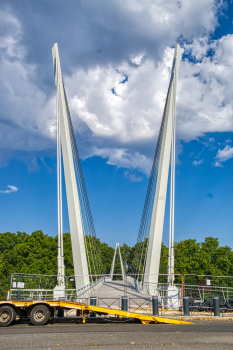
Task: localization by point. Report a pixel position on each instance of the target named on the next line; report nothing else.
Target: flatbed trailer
(41, 312)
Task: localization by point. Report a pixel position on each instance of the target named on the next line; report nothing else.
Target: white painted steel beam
(157, 217)
(113, 262)
(74, 210)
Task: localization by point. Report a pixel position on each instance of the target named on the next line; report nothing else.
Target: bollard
(18, 294)
(155, 305)
(186, 306)
(216, 306)
(124, 303)
(93, 301)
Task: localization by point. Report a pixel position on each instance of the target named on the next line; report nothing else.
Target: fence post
(155, 305)
(216, 306)
(124, 303)
(186, 306)
(183, 288)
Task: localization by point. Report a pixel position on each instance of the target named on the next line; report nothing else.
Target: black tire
(40, 315)
(7, 315)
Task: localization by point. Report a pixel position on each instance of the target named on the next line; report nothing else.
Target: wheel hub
(4, 316)
(40, 315)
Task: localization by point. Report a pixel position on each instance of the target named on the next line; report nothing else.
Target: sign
(20, 285)
(13, 284)
(208, 282)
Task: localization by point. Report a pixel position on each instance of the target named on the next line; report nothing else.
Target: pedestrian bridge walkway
(110, 294)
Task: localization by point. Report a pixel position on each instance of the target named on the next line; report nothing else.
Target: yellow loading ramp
(86, 308)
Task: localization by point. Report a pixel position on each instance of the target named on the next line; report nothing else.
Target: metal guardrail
(32, 286)
(139, 294)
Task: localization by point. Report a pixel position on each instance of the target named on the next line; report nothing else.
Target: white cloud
(122, 126)
(198, 162)
(217, 164)
(11, 189)
(125, 159)
(133, 177)
(27, 117)
(223, 155)
(130, 118)
(205, 93)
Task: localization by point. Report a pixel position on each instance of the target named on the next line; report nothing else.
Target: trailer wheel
(7, 315)
(40, 315)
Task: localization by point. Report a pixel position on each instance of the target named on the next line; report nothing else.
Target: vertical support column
(113, 263)
(60, 256)
(121, 262)
(157, 217)
(74, 210)
(172, 190)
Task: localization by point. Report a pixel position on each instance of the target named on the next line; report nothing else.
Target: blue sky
(116, 120)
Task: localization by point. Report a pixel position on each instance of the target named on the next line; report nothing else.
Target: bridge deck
(110, 293)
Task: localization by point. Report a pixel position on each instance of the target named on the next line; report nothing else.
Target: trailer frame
(30, 307)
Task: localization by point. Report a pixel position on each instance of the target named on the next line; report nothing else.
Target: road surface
(205, 335)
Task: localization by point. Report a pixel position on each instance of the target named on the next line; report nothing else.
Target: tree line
(36, 253)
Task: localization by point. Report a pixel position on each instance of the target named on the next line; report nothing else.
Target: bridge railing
(199, 288)
(109, 292)
(44, 287)
(82, 294)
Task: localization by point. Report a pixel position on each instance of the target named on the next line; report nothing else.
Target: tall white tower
(166, 152)
(64, 148)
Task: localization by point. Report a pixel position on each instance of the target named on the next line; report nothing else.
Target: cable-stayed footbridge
(86, 255)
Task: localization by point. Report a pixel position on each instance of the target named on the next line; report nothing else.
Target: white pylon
(60, 255)
(74, 211)
(157, 217)
(121, 262)
(170, 269)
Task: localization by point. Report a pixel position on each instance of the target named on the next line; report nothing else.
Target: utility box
(59, 293)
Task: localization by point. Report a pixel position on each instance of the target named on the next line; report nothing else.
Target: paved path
(110, 293)
(201, 335)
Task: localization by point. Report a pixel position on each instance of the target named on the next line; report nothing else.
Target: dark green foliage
(24, 253)
(205, 258)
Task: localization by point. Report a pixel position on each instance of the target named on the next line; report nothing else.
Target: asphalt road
(201, 335)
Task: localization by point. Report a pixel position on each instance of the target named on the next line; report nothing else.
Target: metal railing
(108, 292)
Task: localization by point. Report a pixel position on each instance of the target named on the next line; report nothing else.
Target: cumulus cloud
(130, 117)
(133, 177)
(223, 155)
(204, 93)
(11, 189)
(116, 96)
(27, 118)
(198, 162)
